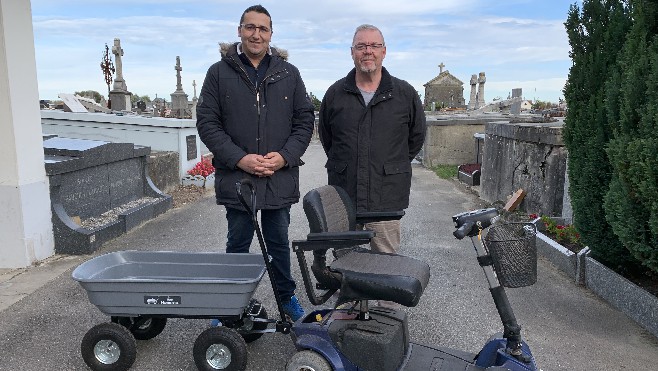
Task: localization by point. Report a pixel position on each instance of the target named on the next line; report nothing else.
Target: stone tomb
(99, 190)
(529, 156)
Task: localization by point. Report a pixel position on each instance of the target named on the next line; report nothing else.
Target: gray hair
(364, 27)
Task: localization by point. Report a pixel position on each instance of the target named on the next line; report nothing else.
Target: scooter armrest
(333, 240)
(378, 216)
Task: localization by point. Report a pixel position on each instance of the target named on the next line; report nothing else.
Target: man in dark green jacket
(255, 117)
(372, 125)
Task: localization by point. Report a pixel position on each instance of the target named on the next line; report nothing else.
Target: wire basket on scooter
(514, 253)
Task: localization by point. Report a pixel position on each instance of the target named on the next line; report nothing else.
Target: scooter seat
(368, 275)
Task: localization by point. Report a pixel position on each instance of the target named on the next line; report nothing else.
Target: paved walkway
(567, 327)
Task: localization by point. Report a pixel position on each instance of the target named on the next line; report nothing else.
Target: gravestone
(515, 109)
(99, 190)
(179, 104)
(71, 103)
(195, 101)
(119, 96)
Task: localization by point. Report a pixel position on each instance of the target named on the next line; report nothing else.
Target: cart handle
(238, 187)
(284, 325)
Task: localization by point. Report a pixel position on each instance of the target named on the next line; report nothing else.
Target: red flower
(203, 168)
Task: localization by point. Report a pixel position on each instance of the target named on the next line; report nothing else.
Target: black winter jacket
(234, 119)
(370, 148)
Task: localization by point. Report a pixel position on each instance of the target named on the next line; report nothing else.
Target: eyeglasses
(362, 47)
(251, 28)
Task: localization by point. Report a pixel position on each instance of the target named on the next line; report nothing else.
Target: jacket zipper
(256, 89)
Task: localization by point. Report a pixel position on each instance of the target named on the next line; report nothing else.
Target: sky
(516, 43)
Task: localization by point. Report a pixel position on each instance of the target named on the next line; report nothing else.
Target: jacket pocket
(282, 188)
(396, 183)
(397, 167)
(336, 173)
(336, 166)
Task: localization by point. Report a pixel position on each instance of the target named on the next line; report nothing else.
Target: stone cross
(194, 84)
(441, 67)
(118, 53)
(472, 103)
(481, 80)
(178, 68)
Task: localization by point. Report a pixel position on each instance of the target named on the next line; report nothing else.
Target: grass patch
(445, 171)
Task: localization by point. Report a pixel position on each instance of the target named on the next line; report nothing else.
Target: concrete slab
(16, 284)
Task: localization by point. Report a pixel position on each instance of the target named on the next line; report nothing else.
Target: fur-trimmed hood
(226, 48)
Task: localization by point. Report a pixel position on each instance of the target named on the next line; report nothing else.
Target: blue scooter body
(312, 333)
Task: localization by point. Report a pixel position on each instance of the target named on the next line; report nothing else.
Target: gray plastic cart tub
(163, 283)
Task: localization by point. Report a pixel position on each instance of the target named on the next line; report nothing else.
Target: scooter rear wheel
(308, 360)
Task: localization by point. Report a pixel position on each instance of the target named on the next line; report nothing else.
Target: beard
(368, 66)
(365, 69)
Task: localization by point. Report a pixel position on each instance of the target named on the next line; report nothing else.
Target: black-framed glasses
(362, 47)
(251, 28)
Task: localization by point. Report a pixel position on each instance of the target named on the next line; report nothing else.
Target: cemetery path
(567, 326)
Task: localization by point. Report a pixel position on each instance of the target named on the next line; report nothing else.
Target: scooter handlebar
(463, 231)
(470, 223)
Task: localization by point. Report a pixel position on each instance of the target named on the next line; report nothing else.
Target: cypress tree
(596, 35)
(631, 203)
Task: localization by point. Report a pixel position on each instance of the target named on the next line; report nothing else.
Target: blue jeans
(274, 225)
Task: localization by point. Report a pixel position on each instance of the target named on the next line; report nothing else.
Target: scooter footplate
(422, 357)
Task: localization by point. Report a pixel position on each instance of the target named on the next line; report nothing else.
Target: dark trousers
(274, 225)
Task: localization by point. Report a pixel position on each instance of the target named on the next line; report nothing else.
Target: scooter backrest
(329, 209)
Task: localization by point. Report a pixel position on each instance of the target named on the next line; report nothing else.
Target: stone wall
(163, 169)
(450, 139)
(530, 156)
(444, 97)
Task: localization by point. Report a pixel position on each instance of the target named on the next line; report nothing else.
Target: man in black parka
(372, 125)
(255, 117)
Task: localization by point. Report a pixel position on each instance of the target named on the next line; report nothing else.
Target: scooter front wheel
(308, 360)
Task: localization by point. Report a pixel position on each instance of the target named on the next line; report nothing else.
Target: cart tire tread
(123, 344)
(232, 346)
(151, 327)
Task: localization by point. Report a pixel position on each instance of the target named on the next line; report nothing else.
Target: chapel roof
(445, 78)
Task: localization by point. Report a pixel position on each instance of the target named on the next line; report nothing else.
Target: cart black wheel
(220, 348)
(250, 325)
(142, 328)
(308, 360)
(108, 346)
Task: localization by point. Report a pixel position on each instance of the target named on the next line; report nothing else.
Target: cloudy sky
(517, 43)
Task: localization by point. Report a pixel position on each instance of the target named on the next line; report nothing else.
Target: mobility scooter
(356, 336)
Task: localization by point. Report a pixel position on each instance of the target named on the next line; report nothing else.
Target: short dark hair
(258, 9)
